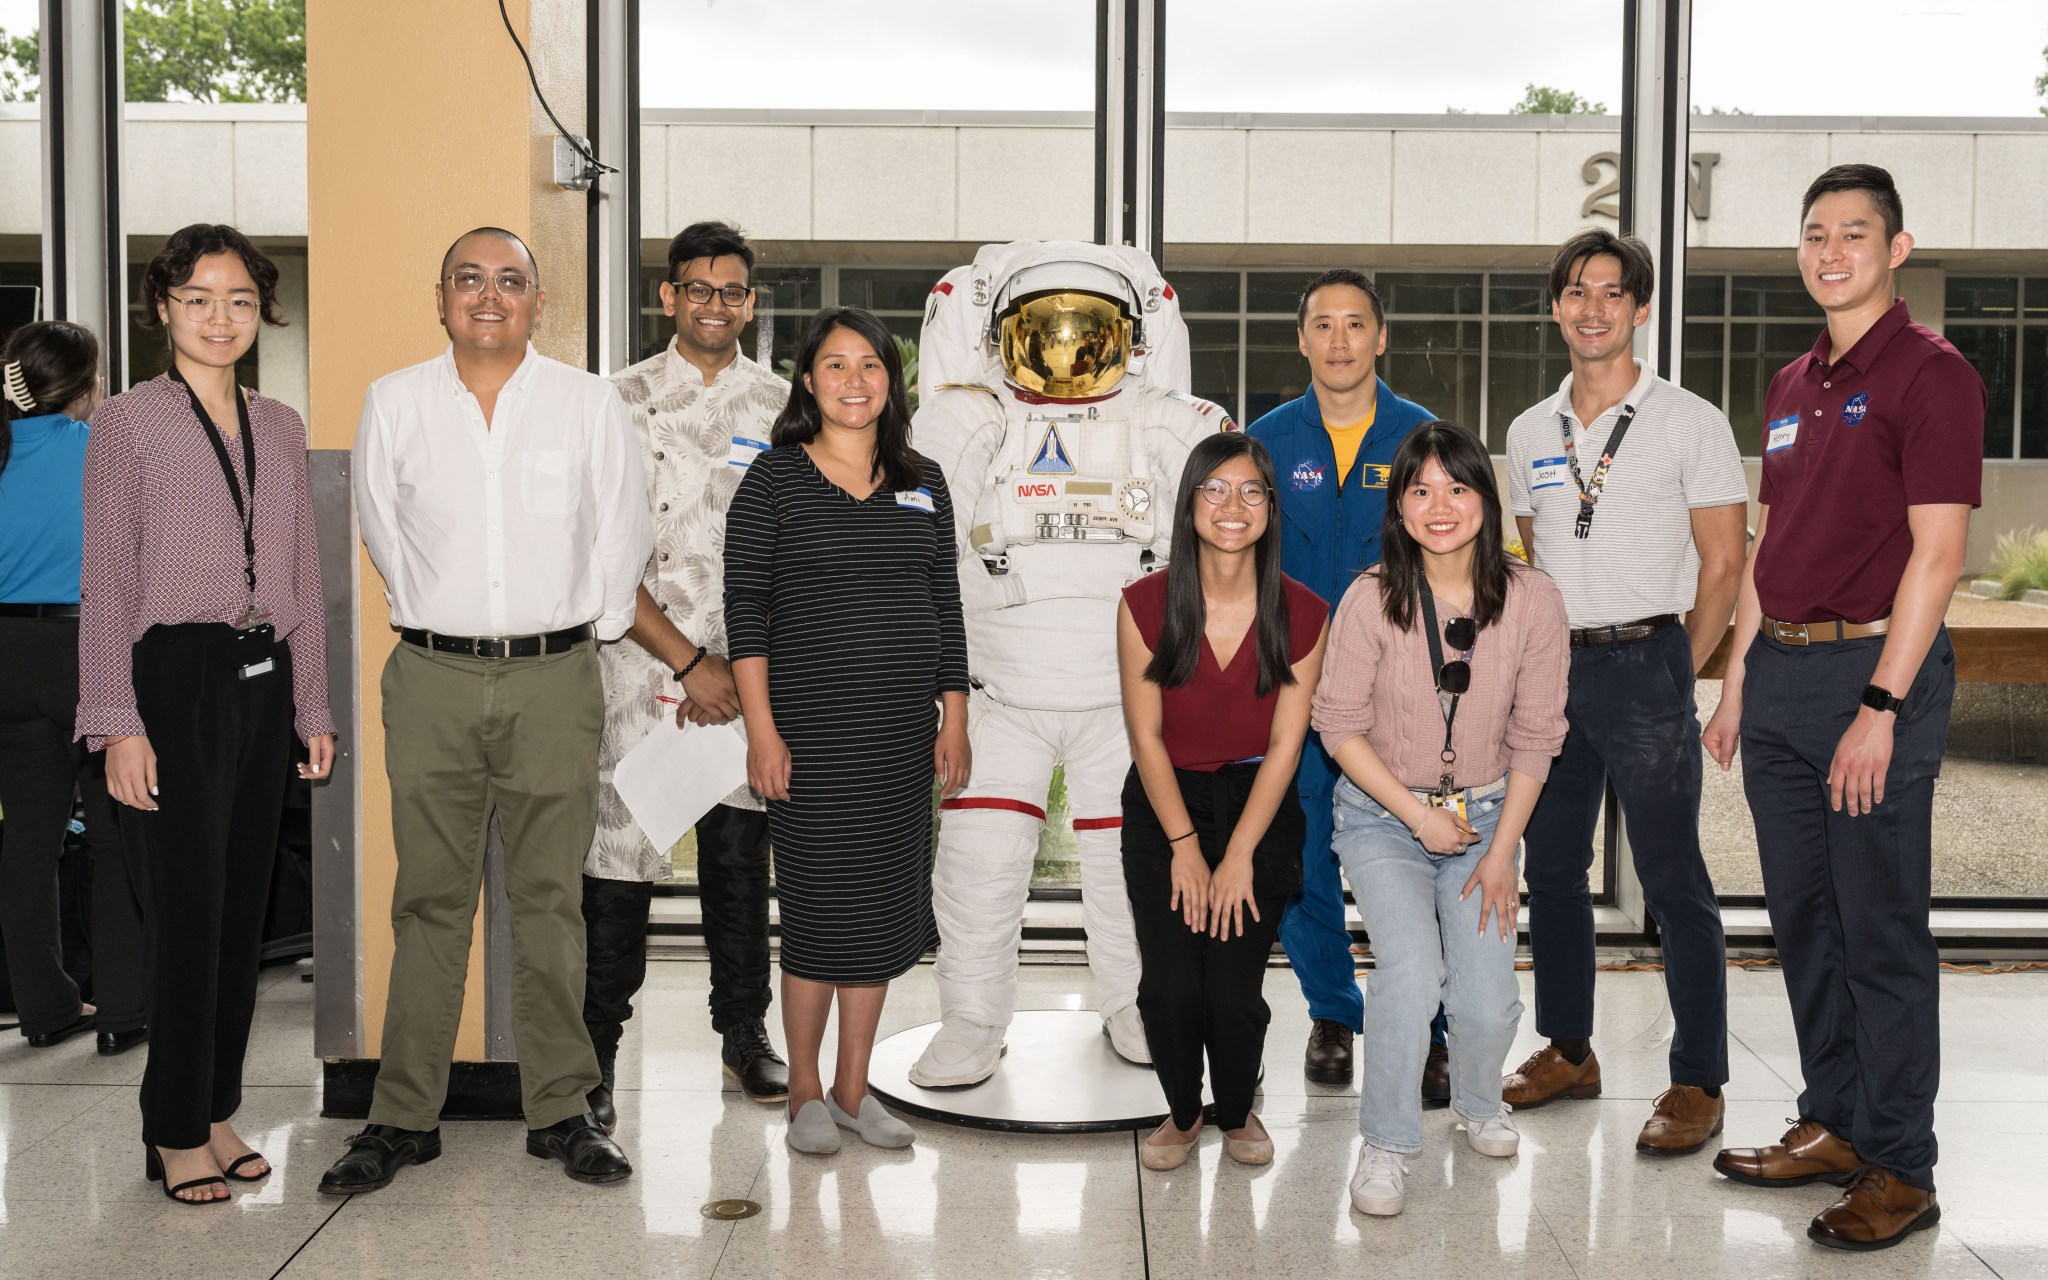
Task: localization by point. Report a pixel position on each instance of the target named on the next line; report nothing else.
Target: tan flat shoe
(1168, 1155)
(1257, 1150)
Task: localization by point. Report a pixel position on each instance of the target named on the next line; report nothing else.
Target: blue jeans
(1426, 948)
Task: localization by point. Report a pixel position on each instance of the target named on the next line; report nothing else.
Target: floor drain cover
(731, 1210)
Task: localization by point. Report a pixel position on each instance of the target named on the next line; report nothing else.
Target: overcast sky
(1767, 57)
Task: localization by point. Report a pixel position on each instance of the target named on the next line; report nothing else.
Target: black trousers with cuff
(1200, 995)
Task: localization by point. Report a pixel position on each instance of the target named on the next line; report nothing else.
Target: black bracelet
(701, 651)
(1178, 839)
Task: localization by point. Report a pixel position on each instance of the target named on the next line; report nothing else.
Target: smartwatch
(1880, 700)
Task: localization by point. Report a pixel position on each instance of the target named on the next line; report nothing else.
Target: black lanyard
(244, 510)
(1445, 784)
(1589, 494)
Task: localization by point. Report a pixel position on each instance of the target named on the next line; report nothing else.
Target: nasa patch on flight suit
(1307, 476)
(1781, 433)
(919, 498)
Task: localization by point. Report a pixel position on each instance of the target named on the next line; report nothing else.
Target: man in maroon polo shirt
(1838, 690)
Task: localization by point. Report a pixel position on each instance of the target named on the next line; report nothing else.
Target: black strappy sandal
(239, 1161)
(153, 1169)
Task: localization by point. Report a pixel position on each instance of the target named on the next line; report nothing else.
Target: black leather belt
(1622, 632)
(38, 610)
(498, 646)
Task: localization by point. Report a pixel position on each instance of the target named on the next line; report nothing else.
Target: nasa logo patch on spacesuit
(1052, 458)
(1307, 476)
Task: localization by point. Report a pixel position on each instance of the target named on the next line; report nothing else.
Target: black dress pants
(1848, 896)
(732, 881)
(1201, 995)
(41, 770)
(223, 752)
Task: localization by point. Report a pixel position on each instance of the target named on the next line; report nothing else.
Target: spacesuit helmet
(1065, 329)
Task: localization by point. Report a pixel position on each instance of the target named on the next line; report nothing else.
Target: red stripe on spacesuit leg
(995, 802)
(1097, 824)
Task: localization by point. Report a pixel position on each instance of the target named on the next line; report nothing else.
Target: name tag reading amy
(744, 451)
(920, 498)
(1546, 473)
(1779, 433)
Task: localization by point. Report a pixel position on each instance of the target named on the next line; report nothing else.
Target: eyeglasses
(1218, 492)
(1455, 676)
(199, 309)
(733, 295)
(509, 284)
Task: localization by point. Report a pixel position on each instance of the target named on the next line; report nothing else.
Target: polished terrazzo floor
(1578, 1202)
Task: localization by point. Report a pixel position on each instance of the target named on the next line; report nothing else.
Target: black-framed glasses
(1218, 492)
(509, 284)
(732, 295)
(1455, 676)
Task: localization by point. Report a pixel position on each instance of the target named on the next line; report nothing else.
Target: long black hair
(895, 461)
(1464, 458)
(1187, 614)
(59, 363)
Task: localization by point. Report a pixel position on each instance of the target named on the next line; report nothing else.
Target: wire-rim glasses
(1253, 492)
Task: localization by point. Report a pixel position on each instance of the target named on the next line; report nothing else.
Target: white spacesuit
(1063, 454)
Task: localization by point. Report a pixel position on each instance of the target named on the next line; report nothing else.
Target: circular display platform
(1059, 1076)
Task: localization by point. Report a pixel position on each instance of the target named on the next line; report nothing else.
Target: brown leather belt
(1823, 631)
(499, 646)
(1622, 632)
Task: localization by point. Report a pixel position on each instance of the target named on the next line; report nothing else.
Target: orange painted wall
(420, 125)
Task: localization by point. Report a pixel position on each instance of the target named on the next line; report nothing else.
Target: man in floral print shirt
(703, 411)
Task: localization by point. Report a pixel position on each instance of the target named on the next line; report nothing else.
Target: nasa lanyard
(1589, 494)
(245, 511)
(1446, 786)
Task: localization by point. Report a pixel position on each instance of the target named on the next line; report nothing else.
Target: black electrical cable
(574, 141)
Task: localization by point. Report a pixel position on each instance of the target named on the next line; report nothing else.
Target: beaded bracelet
(692, 665)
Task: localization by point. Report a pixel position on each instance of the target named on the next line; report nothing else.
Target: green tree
(1542, 100)
(191, 51)
(1717, 111)
(2041, 82)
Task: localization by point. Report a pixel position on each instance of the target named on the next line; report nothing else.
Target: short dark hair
(1638, 268)
(1871, 181)
(179, 258)
(709, 240)
(496, 233)
(1342, 275)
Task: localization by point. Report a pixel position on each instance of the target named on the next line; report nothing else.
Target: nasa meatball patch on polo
(1307, 476)
(1855, 407)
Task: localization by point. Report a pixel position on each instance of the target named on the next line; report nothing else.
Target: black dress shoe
(1328, 1059)
(602, 1110)
(1436, 1073)
(376, 1155)
(113, 1042)
(750, 1060)
(582, 1148)
(61, 1034)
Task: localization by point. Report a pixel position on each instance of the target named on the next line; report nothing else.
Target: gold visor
(1066, 344)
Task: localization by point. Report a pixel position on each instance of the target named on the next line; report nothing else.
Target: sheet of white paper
(676, 774)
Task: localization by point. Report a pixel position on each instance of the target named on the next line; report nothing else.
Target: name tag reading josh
(919, 498)
(744, 451)
(1546, 473)
(1780, 433)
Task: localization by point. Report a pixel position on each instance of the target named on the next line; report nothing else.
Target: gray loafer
(875, 1125)
(811, 1130)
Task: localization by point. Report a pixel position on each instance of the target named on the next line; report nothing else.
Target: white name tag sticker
(744, 451)
(1780, 433)
(1546, 473)
(919, 498)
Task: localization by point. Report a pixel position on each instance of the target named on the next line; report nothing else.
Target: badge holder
(255, 645)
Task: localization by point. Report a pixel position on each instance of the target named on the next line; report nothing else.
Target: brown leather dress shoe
(1685, 1118)
(1547, 1076)
(1807, 1153)
(1879, 1210)
(1436, 1073)
(1328, 1060)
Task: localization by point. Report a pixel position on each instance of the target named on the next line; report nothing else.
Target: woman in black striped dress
(842, 609)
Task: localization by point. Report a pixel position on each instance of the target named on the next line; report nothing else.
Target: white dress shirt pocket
(546, 481)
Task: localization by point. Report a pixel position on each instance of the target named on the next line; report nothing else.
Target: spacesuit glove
(1190, 877)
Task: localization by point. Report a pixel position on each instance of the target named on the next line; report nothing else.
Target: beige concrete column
(420, 124)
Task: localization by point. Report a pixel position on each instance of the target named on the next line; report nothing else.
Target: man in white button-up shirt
(502, 497)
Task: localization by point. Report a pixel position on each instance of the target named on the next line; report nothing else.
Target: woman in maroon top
(1218, 655)
(201, 643)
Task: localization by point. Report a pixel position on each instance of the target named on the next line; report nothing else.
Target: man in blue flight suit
(1331, 450)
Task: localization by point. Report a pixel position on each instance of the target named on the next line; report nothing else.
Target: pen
(674, 702)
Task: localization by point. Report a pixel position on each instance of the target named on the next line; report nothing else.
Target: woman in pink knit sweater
(1442, 700)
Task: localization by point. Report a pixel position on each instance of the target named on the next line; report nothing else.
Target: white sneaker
(1494, 1136)
(1378, 1186)
(1126, 1032)
(961, 1054)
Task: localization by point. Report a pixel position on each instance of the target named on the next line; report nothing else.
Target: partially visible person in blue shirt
(49, 384)
(1331, 453)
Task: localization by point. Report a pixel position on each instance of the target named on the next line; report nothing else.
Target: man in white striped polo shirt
(1629, 492)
